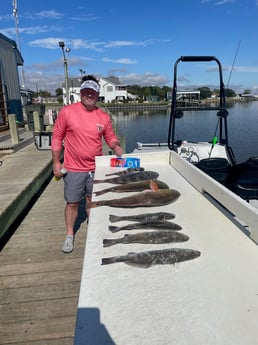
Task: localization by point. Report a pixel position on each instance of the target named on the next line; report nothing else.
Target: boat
(211, 299)
(214, 157)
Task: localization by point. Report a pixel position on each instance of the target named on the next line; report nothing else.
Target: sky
(136, 41)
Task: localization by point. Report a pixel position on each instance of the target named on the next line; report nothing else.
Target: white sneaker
(68, 244)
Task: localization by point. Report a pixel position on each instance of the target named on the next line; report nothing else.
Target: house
(10, 95)
(111, 90)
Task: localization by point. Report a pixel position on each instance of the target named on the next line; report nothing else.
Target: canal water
(152, 127)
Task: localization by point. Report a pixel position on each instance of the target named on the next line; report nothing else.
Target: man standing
(80, 127)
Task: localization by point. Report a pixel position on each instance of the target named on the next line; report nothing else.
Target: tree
(230, 93)
(59, 92)
(205, 92)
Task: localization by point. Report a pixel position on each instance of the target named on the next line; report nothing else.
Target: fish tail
(113, 218)
(97, 181)
(154, 186)
(92, 204)
(109, 242)
(100, 192)
(113, 228)
(107, 261)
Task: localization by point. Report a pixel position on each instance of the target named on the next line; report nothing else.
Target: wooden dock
(39, 284)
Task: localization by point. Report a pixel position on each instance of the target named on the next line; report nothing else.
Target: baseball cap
(90, 84)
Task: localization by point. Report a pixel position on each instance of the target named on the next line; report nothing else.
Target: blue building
(10, 95)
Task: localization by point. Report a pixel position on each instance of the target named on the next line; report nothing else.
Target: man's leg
(71, 213)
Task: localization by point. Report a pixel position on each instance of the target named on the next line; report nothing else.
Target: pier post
(37, 123)
(13, 129)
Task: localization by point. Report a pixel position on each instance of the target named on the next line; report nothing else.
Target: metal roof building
(10, 96)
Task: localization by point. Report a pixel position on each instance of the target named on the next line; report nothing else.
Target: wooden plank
(14, 256)
(38, 310)
(39, 284)
(38, 267)
(32, 330)
(44, 278)
(38, 293)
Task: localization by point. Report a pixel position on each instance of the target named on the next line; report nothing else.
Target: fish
(130, 177)
(148, 237)
(143, 199)
(147, 259)
(126, 171)
(142, 217)
(138, 186)
(154, 224)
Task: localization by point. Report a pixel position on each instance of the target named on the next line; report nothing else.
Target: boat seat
(217, 168)
(243, 179)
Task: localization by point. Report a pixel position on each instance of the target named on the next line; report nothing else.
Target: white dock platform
(209, 300)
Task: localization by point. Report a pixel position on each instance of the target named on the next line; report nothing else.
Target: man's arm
(57, 165)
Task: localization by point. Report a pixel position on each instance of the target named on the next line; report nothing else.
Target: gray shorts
(78, 185)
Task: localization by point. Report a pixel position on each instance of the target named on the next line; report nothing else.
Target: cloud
(52, 43)
(223, 2)
(145, 79)
(51, 14)
(85, 17)
(31, 30)
(117, 44)
(218, 3)
(124, 61)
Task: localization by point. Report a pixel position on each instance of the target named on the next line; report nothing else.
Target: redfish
(143, 199)
(134, 187)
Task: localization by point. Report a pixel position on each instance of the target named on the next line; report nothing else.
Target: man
(80, 127)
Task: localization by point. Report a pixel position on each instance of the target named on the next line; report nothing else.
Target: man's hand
(118, 150)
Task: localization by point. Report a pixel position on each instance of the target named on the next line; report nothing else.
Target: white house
(110, 90)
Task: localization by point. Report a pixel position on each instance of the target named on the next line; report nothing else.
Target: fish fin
(109, 242)
(113, 228)
(113, 218)
(153, 186)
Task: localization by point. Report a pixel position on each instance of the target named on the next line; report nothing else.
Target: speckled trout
(151, 237)
(144, 217)
(154, 257)
(131, 177)
(143, 199)
(152, 224)
(138, 186)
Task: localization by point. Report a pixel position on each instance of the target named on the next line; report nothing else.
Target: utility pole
(67, 50)
(15, 14)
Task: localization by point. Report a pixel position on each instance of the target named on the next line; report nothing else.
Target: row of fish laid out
(152, 192)
(167, 232)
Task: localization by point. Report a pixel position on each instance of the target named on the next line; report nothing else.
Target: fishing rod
(233, 63)
(215, 139)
